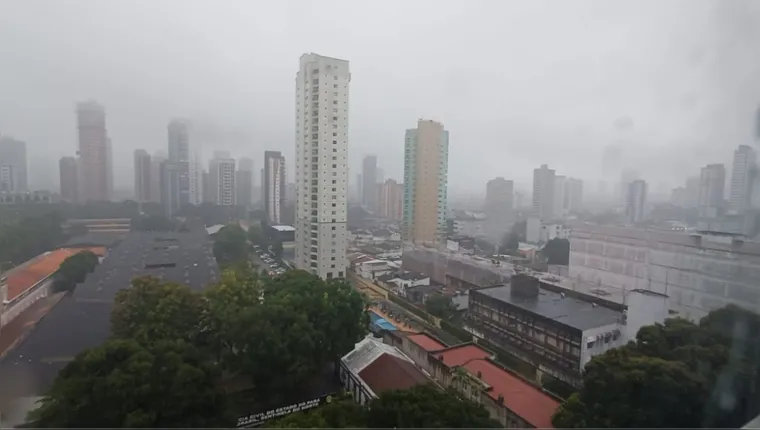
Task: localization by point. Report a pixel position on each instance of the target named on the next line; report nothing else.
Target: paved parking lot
(82, 320)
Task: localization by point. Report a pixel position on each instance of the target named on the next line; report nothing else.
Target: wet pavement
(12, 333)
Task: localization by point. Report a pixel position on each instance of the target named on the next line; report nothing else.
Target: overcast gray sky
(671, 84)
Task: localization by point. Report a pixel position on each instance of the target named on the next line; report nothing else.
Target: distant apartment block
(273, 186)
(741, 179)
(391, 200)
(712, 182)
(69, 179)
(543, 192)
(244, 182)
(95, 173)
(222, 181)
(426, 164)
(498, 206)
(13, 165)
(180, 156)
(142, 176)
(635, 202)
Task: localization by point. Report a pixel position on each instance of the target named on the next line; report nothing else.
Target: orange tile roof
(525, 400)
(461, 354)
(40, 268)
(426, 342)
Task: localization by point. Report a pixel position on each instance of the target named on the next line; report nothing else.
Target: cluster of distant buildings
(734, 212)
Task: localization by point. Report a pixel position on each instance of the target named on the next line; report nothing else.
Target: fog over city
(664, 86)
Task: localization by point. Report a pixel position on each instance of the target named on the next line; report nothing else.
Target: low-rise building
(373, 368)
(33, 280)
(373, 269)
(471, 370)
(558, 330)
(698, 271)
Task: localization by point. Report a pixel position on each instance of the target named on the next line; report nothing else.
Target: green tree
(230, 245)
(625, 389)
(509, 243)
(697, 365)
(441, 306)
(74, 269)
(557, 251)
(301, 323)
(154, 310)
(124, 384)
(424, 406)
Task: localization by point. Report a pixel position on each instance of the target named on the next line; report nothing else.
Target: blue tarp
(380, 323)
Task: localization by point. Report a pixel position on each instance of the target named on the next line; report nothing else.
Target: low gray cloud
(671, 84)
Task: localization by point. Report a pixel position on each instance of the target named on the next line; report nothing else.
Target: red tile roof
(461, 354)
(525, 400)
(388, 372)
(426, 342)
(40, 268)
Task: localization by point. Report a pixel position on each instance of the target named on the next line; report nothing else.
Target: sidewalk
(15, 331)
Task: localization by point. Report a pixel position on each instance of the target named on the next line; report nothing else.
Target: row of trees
(174, 351)
(677, 374)
(423, 406)
(74, 270)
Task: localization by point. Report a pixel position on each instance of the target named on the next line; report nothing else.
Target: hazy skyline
(672, 85)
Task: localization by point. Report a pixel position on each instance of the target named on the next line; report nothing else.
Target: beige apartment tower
(426, 163)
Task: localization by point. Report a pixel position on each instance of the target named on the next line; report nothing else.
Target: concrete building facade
(391, 200)
(13, 163)
(222, 178)
(742, 171)
(543, 192)
(143, 169)
(699, 272)
(426, 164)
(635, 202)
(498, 206)
(273, 189)
(179, 155)
(712, 183)
(322, 110)
(69, 179)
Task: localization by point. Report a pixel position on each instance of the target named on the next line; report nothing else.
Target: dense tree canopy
(676, 374)
(423, 406)
(301, 324)
(277, 334)
(125, 384)
(154, 310)
(30, 237)
(231, 245)
(74, 270)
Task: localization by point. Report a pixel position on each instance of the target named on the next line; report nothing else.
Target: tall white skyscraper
(222, 181)
(322, 165)
(635, 202)
(543, 192)
(741, 179)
